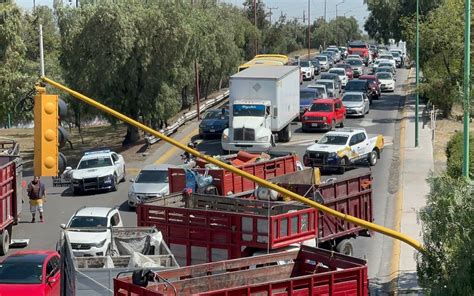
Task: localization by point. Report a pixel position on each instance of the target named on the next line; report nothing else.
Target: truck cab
(263, 101)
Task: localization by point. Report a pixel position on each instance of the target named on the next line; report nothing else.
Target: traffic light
(49, 134)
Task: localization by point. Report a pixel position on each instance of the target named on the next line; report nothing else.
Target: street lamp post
(466, 86)
(309, 30)
(417, 70)
(337, 26)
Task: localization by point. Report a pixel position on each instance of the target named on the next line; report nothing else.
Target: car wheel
(341, 125)
(5, 242)
(114, 184)
(343, 163)
(124, 175)
(373, 156)
(333, 125)
(76, 191)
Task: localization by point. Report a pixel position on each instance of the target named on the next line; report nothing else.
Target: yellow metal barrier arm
(372, 226)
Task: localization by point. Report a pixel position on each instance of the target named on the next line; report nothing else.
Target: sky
(292, 8)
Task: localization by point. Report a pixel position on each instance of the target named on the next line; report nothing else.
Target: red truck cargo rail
(203, 228)
(308, 271)
(228, 183)
(350, 193)
(10, 185)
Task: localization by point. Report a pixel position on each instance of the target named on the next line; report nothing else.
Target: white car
(88, 230)
(151, 182)
(340, 148)
(341, 72)
(377, 62)
(387, 82)
(337, 53)
(307, 69)
(323, 62)
(321, 88)
(98, 170)
(356, 103)
(389, 57)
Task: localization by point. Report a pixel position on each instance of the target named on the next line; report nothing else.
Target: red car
(349, 70)
(374, 85)
(324, 114)
(30, 273)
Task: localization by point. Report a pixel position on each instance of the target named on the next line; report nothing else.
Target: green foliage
(454, 153)
(337, 31)
(447, 265)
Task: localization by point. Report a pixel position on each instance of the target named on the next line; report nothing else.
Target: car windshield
(216, 115)
(152, 176)
(333, 140)
(387, 57)
(385, 65)
(322, 58)
(88, 222)
(356, 85)
(354, 62)
(321, 107)
(328, 84)
(304, 63)
(304, 95)
(249, 110)
(384, 75)
(95, 163)
(352, 98)
(384, 69)
(395, 54)
(329, 76)
(338, 71)
(21, 273)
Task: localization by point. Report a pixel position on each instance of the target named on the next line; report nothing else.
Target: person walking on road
(37, 194)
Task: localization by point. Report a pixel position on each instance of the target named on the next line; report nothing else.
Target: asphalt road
(382, 119)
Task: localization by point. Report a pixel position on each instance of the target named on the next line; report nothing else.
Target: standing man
(37, 195)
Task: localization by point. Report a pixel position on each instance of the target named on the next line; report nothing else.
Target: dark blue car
(214, 123)
(307, 96)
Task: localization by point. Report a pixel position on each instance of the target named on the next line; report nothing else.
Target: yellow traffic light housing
(46, 134)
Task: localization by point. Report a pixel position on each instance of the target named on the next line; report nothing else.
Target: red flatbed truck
(10, 191)
(307, 271)
(228, 183)
(206, 228)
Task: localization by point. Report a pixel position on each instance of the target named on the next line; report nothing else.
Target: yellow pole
(372, 226)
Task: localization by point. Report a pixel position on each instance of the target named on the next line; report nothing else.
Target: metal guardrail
(150, 140)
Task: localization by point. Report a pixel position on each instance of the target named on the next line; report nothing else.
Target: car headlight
(325, 118)
(108, 179)
(99, 244)
(264, 139)
(305, 118)
(225, 137)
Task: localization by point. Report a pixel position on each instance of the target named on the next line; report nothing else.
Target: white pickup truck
(342, 147)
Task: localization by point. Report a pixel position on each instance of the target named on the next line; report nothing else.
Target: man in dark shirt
(37, 194)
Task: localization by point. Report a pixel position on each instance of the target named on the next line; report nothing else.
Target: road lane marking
(169, 153)
(396, 247)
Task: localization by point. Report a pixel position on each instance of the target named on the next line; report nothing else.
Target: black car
(214, 123)
(360, 85)
(317, 66)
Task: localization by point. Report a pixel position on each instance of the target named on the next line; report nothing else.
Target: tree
(447, 264)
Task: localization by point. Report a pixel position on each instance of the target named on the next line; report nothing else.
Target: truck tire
(4, 242)
(345, 247)
(372, 157)
(285, 135)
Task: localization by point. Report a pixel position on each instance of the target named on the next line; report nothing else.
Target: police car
(98, 170)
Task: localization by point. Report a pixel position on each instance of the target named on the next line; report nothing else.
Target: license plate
(212, 130)
(314, 124)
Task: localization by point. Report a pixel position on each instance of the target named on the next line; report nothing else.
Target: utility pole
(309, 30)
(337, 23)
(467, 86)
(255, 23)
(197, 95)
(271, 13)
(325, 25)
(417, 70)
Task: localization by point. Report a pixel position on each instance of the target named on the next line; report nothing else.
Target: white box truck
(263, 101)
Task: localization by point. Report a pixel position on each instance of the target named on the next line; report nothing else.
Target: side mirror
(63, 226)
(51, 281)
(68, 168)
(132, 180)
